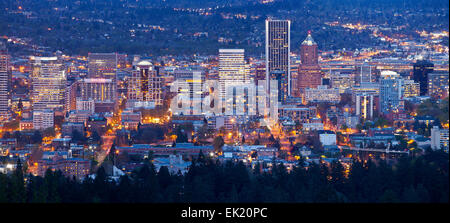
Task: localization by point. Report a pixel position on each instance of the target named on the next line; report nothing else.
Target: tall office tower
(48, 80)
(390, 92)
(421, 69)
(438, 85)
(309, 73)
(145, 85)
(365, 105)
(156, 83)
(260, 73)
(232, 70)
(278, 41)
(102, 65)
(295, 62)
(365, 99)
(280, 77)
(189, 87)
(71, 96)
(98, 89)
(364, 71)
(5, 82)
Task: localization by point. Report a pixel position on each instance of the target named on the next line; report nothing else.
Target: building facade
(232, 70)
(5, 82)
(322, 94)
(102, 65)
(145, 86)
(410, 89)
(390, 92)
(48, 80)
(43, 119)
(438, 85)
(439, 138)
(278, 34)
(309, 72)
(421, 69)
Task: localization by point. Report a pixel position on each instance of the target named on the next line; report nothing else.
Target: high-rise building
(280, 77)
(365, 98)
(278, 51)
(260, 73)
(309, 72)
(438, 85)
(421, 69)
(232, 70)
(102, 91)
(102, 65)
(5, 82)
(390, 92)
(410, 88)
(439, 138)
(364, 105)
(43, 119)
(295, 62)
(342, 81)
(364, 73)
(48, 81)
(98, 89)
(259, 81)
(239, 100)
(145, 86)
(71, 96)
(189, 86)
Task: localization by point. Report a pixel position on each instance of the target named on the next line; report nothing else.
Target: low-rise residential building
(69, 167)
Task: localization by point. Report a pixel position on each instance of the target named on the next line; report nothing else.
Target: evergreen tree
(17, 185)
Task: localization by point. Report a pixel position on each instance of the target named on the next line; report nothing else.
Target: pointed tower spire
(309, 40)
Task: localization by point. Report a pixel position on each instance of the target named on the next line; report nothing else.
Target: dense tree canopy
(421, 179)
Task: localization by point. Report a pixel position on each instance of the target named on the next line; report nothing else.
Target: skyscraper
(365, 105)
(421, 69)
(48, 80)
(102, 91)
(5, 81)
(390, 92)
(231, 69)
(278, 51)
(364, 72)
(102, 65)
(365, 99)
(145, 85)
(309, 73)
(189, 85)
(98, 89)
(280, 77)
(71, 96)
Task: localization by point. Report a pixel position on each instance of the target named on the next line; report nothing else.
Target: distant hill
(157, 27)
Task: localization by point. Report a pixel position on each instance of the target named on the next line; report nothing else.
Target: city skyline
(339, 105)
